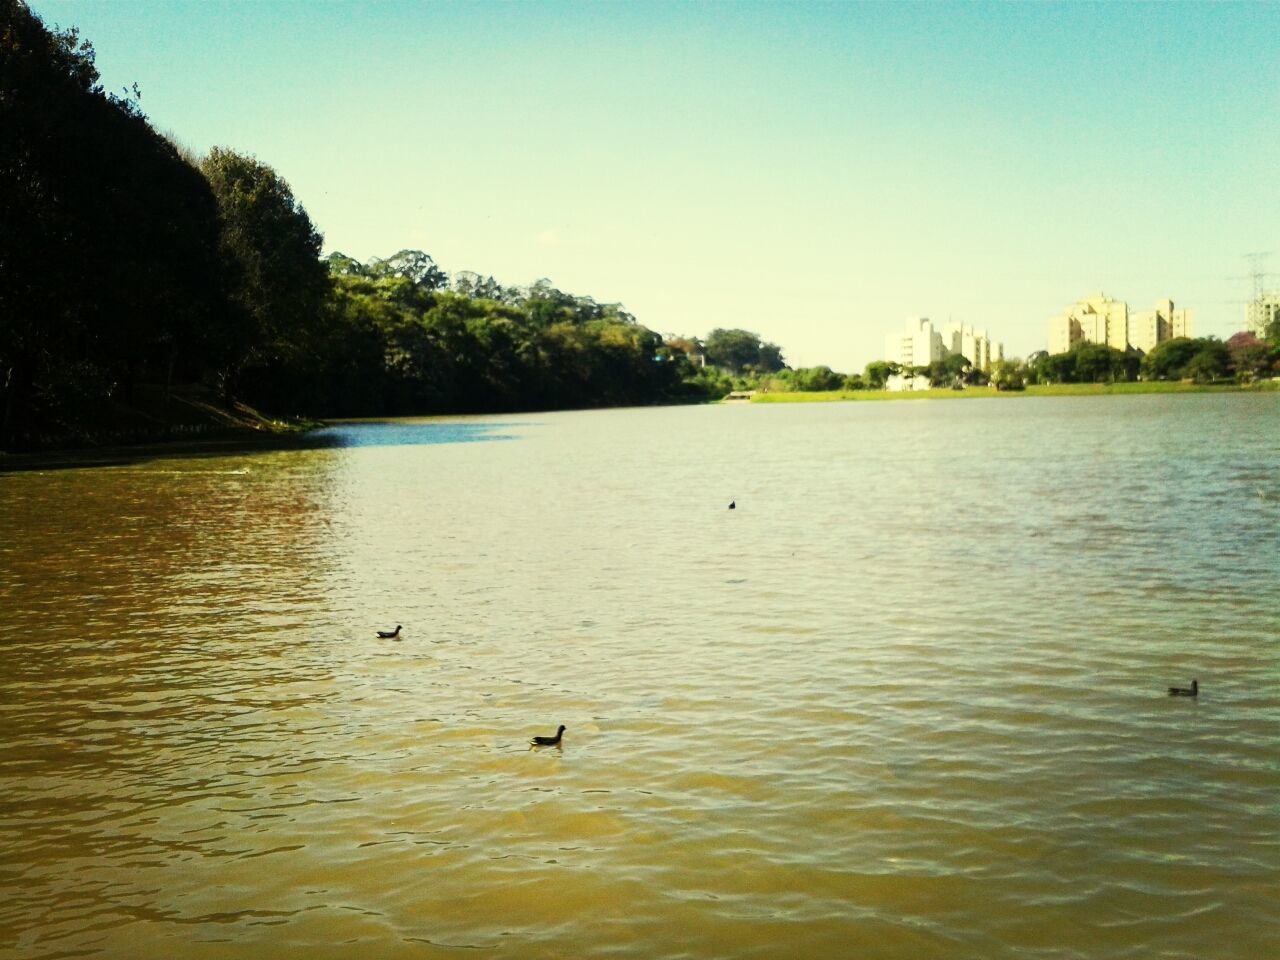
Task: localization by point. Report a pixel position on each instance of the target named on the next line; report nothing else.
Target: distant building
(920, 345)
(1102, 319)
(1261, 312)
(1095, 319)
(974, 345)
(1158, 325)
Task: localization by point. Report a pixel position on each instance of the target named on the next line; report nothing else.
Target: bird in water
(1191, 691)
(549, 741)
(733, 504)
(390, 634)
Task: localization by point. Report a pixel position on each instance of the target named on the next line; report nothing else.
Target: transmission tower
(1257, 270)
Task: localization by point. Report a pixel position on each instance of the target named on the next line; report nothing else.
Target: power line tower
(1264, 308)
(1257, 270)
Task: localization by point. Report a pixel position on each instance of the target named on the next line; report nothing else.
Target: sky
(813, 172)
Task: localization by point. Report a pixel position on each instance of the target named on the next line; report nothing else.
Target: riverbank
(1035, 390)
(178, 420)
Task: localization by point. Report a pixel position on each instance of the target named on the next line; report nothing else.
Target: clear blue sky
(813, 172)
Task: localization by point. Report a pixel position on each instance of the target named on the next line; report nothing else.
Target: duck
(733, 504)
(549, 741)
(1192, 691)
(390, 634)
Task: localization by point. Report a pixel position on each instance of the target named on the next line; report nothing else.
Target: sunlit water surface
(906, 701)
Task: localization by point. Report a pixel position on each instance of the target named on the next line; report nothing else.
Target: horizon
(812, 173)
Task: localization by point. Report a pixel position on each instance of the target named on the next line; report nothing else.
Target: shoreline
(265, 434)
(1033, 390)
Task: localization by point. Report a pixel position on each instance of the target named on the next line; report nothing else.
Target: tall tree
(108, 256)
(741, 351)
(272, 250)
(412, 265)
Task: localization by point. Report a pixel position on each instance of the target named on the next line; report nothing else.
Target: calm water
(907, 701)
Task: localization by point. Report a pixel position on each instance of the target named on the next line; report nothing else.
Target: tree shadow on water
(333, 437)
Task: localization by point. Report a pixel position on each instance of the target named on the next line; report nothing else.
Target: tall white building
(974, 345)
(1262, 311)
(918, 346)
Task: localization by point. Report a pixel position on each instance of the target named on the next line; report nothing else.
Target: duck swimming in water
(390, 634)
(1192, 691)
(549, 741)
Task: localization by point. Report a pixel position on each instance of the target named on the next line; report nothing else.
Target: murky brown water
(906, 701)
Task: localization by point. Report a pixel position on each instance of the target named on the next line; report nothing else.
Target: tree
(272, 252)
(770, 359)
(734, 350)
(1055, 368)
(340, 265)
(108, 252)
(878, 371)
(817, 379)
(1028, 368)
(1166, 360)
(1008, 375)
(412, 265)
(471, 284)
(1210, 361)
(1251, 357)
(945, 372)
(1098, 363)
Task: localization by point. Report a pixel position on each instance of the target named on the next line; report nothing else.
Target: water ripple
(907, 700)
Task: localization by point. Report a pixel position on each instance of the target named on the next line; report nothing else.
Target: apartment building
(974, 345)
(1261, 312)
(917, 346)
(1150, 327)
(920, 344)
(1103, 319)
(1095, 319)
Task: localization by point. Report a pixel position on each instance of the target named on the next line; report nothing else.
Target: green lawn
(1038, 390)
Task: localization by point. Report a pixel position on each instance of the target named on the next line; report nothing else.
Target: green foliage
(1008, 375)
(878, 371)
(1202, 359)
(740, 351)
(805, 379)
(399, 346)
(1168, 359)
(1251, 358)
(819, 378)
(272, 251)
(412, 265)
(1209, 363)
(1084, 363)
(109, 267)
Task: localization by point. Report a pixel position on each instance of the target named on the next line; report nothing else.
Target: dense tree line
(1243, 358)
(126, 262)
(109, 265)
(395, 336)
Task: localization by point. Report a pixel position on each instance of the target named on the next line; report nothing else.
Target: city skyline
(813, 173)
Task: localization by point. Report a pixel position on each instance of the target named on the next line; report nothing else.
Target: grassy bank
(1036, 390)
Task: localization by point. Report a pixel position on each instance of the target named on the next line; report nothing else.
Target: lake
(907, 700)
